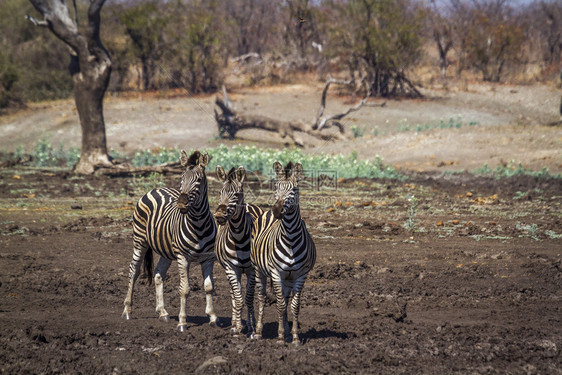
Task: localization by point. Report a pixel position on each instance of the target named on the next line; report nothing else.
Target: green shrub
(512, 169)
(45, 155)
(357, 132)
(155, 157)
(260, 160)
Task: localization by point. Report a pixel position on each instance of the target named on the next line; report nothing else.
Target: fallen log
(127, 170)
(230, 122)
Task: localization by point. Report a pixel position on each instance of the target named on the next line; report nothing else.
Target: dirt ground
(464, 278)
(467, 280)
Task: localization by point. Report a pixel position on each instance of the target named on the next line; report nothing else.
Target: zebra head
(286, 188)
(232, 193)
(193, 180)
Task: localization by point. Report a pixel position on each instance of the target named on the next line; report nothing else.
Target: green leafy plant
(531, 229)
(357, 131)
(411, 223)
(513, 169)
(155, 157)
(45, 155)
(260, 160)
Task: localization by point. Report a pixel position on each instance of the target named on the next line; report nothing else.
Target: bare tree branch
(36, 22)
(247, 56)
(339, 116)
(229, 122)
(320, 122)
(75, 12)
(324, 93)
(55, 13)
(93, 29)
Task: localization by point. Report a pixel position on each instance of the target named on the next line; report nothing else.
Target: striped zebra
(232, 246)
(282, 250)
(177, 225)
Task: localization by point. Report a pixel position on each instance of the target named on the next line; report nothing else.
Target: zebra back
(158, 222)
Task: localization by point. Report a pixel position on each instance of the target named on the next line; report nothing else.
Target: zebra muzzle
(183, 203)
(278, 209)
(220, 214)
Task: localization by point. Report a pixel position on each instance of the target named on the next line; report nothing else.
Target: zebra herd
(275, 245)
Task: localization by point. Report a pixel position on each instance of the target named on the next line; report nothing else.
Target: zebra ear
(240, 174)
(204, 160)
(220, 173)
(184, 158)
(297, 171)
(279, 171)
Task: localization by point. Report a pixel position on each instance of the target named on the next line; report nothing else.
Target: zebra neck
(237, 223)
(199, 210)
(292, 224)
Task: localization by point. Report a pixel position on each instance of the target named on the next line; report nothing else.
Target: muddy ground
(466, 280)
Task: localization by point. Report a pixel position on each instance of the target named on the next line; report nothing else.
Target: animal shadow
(313, 334)
(270, 332)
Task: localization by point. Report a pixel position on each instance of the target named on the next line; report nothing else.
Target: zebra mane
(194, 158)
(231, 175)
(289, 169)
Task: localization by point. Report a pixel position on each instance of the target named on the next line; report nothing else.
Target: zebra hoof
(164, 318)
(296, 342)
(214, 323)
(182, 328)
(255, 336)
(126, 316)
(280, 342)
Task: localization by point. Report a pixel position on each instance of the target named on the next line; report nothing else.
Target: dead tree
(90, 68)
(230, 122)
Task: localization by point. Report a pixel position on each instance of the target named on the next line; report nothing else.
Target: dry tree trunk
(230, 122)
(90, 68)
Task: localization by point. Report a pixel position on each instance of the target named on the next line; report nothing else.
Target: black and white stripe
(235, 219)
(177, 225)
(282, 249)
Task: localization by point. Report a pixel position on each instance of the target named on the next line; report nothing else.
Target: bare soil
(467, 279)
(472, 285)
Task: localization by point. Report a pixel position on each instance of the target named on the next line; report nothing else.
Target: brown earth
(472, 285)
(474, 263)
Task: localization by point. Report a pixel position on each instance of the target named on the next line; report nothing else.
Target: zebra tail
(149, 265)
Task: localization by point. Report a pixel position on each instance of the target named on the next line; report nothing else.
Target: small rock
(218, 360)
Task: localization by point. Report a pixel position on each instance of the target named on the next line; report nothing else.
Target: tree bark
(90, 68)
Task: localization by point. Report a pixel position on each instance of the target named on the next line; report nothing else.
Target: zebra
(232, 246)
(177, 225)
(282, 250)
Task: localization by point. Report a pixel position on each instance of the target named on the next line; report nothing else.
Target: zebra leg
(184, 291)
(262, 286)
(295, 309)
(208, 285)
(235, 281)
(134, 271)
(282, 297)
(159, 277)
(249, 299)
